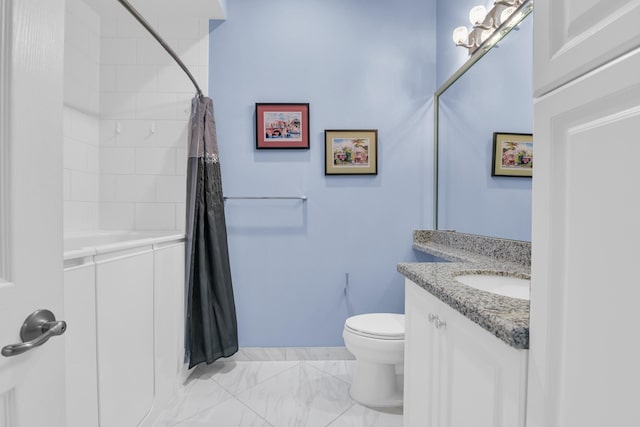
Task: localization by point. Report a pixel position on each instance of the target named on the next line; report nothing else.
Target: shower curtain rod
(160, 40)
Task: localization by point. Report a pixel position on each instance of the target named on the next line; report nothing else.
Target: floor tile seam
(169, 405)
(253, 410)
(327, 372)
(227, 398)
(341, 414)
(256, 384)
(303, 382)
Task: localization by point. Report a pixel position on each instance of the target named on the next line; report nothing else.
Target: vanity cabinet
(456, 373)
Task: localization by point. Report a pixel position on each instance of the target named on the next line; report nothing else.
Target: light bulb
(460, 35)
(506, 13)
(477, 15)
(484, 35)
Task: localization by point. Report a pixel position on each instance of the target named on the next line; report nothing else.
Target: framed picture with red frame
(282, 126)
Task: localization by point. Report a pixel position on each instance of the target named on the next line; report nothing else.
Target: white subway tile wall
(145, 106)
(81, 121)
(155, 216)
(117, 215)
(127, 108)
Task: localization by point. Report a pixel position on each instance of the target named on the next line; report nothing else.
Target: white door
(584, 354)
(31, 79)
(576, 36)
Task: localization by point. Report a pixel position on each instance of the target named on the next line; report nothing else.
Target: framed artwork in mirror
(282, 125)
(512, 154)
(351, 152)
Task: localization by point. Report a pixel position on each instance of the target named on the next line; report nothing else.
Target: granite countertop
(506, 318)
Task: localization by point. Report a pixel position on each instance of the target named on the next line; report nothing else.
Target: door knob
(36, 330)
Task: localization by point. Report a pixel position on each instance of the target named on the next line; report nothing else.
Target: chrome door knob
(36, 330)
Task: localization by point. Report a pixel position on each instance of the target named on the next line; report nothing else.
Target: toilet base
(376, 385)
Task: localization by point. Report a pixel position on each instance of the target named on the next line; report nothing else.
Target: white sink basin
(513, 287)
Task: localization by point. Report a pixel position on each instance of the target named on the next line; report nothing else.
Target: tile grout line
(259, 382)
(178, 402)
(252, 410)
(341, 414)
(327, 372)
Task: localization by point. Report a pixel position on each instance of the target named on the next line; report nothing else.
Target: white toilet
(377, 342)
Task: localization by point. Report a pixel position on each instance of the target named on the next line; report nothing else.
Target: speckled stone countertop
(506, 318)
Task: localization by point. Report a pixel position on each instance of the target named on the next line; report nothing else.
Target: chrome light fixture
(486, 23)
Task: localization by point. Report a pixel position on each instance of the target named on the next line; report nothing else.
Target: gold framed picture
(351, 152)
(512, 154)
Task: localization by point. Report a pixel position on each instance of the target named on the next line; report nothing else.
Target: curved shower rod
(132, 10)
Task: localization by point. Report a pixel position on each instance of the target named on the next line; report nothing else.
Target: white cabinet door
(483, 380)
(456, 373)
(31, 45)
(420, 394)
(583, 367)
(576, 36)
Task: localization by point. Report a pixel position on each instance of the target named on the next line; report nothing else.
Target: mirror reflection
(494, 95)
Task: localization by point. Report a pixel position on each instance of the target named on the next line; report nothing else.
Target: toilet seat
(382, 326)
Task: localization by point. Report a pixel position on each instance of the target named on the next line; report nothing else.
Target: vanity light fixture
(461, 36)
(514, 3)
(477, 16)
(490, 26)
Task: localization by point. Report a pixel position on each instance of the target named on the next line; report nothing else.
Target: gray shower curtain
(211, 326)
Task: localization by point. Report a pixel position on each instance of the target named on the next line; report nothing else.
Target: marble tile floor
(283, 393)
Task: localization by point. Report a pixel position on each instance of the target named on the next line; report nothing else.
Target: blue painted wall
(361, 65)
(495, 95)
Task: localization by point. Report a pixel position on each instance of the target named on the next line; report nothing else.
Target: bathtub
(124, 304)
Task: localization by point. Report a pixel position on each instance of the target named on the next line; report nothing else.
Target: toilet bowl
(377, 342)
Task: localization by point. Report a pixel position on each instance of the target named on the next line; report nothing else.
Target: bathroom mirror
(492, 93)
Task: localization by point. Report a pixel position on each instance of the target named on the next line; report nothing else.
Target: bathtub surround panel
(125, 344)
(289, 272)
(81, 345)
(125, 356)
(169, 369)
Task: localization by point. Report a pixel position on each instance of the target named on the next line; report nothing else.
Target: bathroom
(300, 266)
